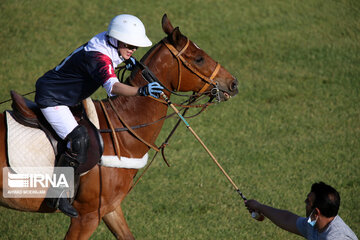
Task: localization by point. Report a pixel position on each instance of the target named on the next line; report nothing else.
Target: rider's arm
(121, 89)
(115, 88)
(282, 218)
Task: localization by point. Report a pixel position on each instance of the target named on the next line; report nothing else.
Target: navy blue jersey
(76, 78)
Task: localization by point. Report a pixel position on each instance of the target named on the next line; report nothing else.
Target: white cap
(129, 29)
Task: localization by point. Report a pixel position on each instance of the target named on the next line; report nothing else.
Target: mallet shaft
(255, 215)
(201, 142)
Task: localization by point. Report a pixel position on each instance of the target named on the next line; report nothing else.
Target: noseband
(180, 59)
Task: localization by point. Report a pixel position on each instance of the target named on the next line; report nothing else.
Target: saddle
(27, 113)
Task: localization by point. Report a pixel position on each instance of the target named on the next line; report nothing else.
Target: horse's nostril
(234, 85)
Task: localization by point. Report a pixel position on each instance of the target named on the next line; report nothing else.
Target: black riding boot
(62, 201)
(79, 142)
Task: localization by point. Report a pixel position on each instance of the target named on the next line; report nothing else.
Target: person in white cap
(77, 77)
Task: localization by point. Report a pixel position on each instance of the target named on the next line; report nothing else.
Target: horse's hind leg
(116, 222)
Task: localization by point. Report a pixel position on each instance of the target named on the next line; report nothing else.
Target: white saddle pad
(27, 147)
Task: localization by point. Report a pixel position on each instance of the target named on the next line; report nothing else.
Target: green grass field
(295, 121)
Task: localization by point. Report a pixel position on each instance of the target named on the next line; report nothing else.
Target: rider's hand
(153, 89)
(130, 63)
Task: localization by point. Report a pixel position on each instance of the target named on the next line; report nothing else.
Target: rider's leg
(60, 119)
(76, 138)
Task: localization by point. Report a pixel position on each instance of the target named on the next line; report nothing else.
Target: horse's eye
(199, 59)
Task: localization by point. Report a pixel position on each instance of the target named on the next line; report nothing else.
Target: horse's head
(196, 70)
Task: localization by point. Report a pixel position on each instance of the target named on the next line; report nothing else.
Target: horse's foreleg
(116, 222)
(82, 227)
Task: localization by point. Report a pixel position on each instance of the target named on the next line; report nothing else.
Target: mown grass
(295, 120)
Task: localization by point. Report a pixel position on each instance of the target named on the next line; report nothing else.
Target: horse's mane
(148, 55)
(150, 52)
(134, 79)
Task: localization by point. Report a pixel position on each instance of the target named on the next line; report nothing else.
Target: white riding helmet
(128, 29)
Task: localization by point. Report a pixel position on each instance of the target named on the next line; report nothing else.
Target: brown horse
(179, 65)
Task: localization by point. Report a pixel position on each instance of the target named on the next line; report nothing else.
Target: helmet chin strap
(109, 40)
(113, 45)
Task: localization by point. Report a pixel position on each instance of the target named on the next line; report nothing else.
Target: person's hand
(130, 63)
(153, 89)
(252, 205)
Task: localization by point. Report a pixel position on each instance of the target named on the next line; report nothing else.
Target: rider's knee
(79, 142)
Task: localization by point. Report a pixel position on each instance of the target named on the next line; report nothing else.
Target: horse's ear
(176, 37)
(174, 34)
(166, 25)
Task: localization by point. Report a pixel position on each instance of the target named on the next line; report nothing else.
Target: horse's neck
(157, 61)
(130, 112)
(143, 110)
(139, 110)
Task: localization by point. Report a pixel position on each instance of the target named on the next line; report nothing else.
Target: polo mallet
(255, 215)
(149, 76)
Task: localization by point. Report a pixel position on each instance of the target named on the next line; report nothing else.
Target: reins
(130, 129)
(113, 130)
(181, 60)
(150, 77)
(188, 106)
(162, 148)
(8, 100)
(113, 133)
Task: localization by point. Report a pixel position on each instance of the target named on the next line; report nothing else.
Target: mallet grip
(257, 216)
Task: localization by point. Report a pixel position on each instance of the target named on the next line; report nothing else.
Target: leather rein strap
(113, 133)
(126, 125)
(180, 59)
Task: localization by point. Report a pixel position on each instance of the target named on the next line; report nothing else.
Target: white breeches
(61, 119)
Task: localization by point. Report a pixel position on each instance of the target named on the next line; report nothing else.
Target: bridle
(181, 60)
(214, 92)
